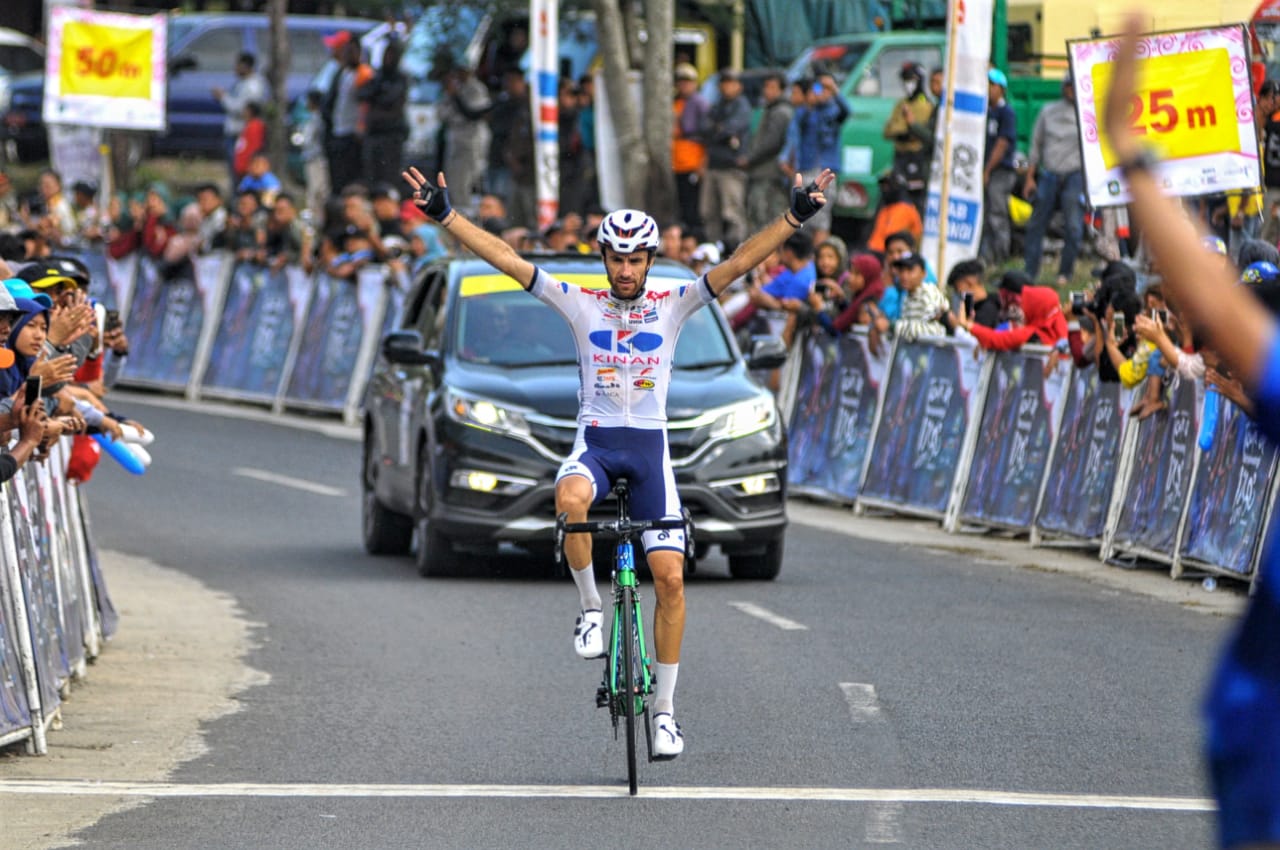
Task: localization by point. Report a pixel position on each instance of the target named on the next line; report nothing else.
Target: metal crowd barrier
(1027, 443)
(55, 611)
(242, 331)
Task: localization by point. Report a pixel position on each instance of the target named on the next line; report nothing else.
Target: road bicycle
(628, 682)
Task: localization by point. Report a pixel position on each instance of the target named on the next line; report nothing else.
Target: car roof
(566, 263)
(11, 37)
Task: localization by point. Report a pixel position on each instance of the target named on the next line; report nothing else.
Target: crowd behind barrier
(55, 611)
(1025, 442)
(234, 329)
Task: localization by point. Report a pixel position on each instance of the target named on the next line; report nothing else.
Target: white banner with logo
(1193, 105)
(105, 69)
(955, 180)
(544, 55)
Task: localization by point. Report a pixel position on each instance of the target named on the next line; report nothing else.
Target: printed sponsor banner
(928, 404)
(955, 179)
(15, 714)
(343, 317)
(254, 335)
(110, 281)
(1014, 439)
(1228, 501)
(167, 319)
(105, 69)
(1193, 105)
(834, 413)
(1161, 477)
(1082, 471)
(40, 589)
(544, 15)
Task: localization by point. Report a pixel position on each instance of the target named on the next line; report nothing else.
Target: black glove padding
(804, 207)
(434, 201)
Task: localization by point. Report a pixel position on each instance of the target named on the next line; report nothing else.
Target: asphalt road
(874, 694)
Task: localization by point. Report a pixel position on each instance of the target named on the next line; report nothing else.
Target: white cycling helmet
(628, 231)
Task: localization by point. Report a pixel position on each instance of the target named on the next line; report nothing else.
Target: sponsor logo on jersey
(644, 384)
(625, 342)
(607, 372)
(627, 359)
(646, 371)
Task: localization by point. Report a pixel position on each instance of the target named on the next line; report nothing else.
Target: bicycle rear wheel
(627, 688)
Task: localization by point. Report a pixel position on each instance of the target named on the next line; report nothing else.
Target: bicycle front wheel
(627, 688)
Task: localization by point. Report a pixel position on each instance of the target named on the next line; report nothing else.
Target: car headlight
(739, 420)
(489, 415)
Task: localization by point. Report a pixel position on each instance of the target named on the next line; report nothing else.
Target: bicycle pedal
(602, 697)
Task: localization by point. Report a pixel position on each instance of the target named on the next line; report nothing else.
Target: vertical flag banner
(545, 51)
(955, 180)
(1193, 106)
(104, 69)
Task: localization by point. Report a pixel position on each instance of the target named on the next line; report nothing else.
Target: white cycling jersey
(625, 348)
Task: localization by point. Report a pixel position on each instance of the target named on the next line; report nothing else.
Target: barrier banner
(928, 403)
(1160, 477)
(15, 715)
(834, 413)
(255, 335)
(52, 529)
(1193, 103)
(110, 281)
(166, 323)
(40, 589)
(1228, 502)
(1015, 436)
(343, 319)
(105, 69)
(1082, 470)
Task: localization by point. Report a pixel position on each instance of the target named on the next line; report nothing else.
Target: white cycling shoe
(668, 740)
(588, 636)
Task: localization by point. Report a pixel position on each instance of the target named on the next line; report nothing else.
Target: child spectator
(259, 178)
(283, 241)
(251, 141)
(315, 165)
(245, 234)
(858, 303)
(966, 279)
(923, 304)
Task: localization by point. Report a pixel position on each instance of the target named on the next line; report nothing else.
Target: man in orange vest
(688, 152)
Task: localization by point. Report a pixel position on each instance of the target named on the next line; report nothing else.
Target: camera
(1077, 303)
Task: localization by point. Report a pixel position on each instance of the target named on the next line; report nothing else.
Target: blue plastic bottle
(1209, 420)
(121, 453)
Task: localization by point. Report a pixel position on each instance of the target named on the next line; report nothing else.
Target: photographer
(1033, 313)
(1116, 296)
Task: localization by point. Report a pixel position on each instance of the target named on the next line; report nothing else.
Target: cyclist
(625, 338)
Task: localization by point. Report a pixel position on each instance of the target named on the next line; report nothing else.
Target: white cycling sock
(664, 688)
(585, 579)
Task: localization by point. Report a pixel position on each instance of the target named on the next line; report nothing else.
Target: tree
(645, 155)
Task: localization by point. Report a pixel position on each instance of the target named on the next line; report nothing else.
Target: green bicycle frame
(625, 577)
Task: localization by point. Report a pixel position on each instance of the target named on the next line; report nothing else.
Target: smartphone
(112, 321)
(1161, 316)
(1117, 328)
(1077, 303)
(968, 305)
(31, 389)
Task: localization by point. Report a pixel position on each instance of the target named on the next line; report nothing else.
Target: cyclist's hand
(432, 200)
(807, 200)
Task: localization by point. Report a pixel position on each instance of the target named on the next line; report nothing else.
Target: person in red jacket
(1041, 319)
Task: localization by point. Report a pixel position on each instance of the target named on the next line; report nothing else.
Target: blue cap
(995, 75)
(20, 289)
(1259, 273)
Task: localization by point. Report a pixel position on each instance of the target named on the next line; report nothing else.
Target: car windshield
(511, 328)
(834, 59)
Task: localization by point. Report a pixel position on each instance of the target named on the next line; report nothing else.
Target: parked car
(202, 50)
(473, 406)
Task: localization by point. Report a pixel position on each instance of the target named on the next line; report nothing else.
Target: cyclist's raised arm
(805, 203)
(434, 201)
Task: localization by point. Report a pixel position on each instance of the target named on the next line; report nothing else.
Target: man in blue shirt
(788, 293)
(998, 175)
(817, 139)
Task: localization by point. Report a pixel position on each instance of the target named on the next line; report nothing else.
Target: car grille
(558, 438)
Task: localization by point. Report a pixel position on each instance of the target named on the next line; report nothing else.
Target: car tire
(435, 556)
(758, 566)
(385, 531)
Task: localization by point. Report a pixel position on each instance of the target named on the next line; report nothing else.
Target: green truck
(867, 67)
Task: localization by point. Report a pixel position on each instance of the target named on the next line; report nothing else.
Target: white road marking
(287, 481)
(86, 788)
(864, 707)
(753, 610)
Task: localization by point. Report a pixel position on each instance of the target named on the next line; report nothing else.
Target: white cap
(707, 252)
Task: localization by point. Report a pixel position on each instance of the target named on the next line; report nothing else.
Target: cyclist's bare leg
(573, 497)
(667, 567)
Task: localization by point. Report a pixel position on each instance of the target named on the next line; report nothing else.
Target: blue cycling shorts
(602, 455)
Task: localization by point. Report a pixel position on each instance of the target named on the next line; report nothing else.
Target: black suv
(473, 406)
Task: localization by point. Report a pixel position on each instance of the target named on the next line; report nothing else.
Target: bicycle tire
(627, 693)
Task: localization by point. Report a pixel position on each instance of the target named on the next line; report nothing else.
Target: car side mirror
(868, 86)
(405, 349)
(182, 63)
(767, 352)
